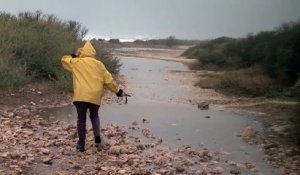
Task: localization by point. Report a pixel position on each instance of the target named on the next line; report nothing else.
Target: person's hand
(121, 93)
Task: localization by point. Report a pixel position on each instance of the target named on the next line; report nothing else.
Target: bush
(250, 81)
(64, 81)
(212, 59)
(36, 43)
(114, 41)
(11, 74)
(276, 52)
(281, 94)
(171, 41)
(210, 54)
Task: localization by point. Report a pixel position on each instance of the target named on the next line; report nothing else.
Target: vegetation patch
(276, 53)
(12, 74)
(32, 44)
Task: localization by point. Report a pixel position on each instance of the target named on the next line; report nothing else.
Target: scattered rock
(236, 171)
(280, 129)
(145, 120)
(32, 103)
(218, 170)
(135, 123)
(5, 155)
(271, 145)
(180, 168)
(45, 151)
(292, 152)
(146, 132)
(10, 114)
(248, 133)
(47, 160)
(249, 165)
(114, 150)
(203, 106)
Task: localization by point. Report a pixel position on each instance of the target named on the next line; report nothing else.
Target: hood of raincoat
(87, 50)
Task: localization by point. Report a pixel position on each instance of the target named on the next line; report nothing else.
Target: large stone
(5, 155)
(114, 150)
(203, 105)
(236, 171)
(47, 160)
(248, 133)
(180, 168)
(45, 151)
(218, 170)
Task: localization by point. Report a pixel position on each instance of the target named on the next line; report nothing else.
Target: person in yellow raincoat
(89, 78)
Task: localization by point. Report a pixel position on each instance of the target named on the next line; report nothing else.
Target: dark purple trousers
(82, 108)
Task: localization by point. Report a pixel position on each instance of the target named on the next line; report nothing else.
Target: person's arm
(110, 84)
(67, 62)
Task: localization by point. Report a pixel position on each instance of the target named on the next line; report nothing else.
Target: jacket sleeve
(109, 82)
(66, 62)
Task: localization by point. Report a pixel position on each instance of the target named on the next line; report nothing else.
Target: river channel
(157, 99)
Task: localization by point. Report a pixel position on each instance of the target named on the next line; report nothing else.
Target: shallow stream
(155, 99)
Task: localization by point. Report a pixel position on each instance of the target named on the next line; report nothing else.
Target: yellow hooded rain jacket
(89, 75)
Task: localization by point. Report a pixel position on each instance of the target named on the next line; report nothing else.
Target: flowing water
(155, 98)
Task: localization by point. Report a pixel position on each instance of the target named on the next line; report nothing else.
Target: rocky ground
(31, 145)
(284, 156)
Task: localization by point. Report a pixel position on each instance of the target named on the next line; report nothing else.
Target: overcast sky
(185, 19)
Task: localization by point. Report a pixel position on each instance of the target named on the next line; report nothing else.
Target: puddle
(177, 123)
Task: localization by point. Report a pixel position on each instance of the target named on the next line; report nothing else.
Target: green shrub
(12, 74)
(114, 41)
(212, 58)
(171, 41)
(37, 42)
(64, 81)
(276, 52)
(281, 94)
